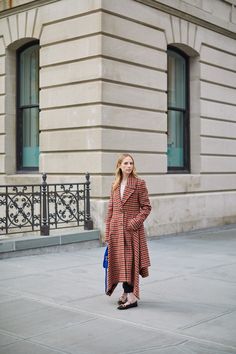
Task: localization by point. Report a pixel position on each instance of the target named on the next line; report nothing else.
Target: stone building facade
(155, 78)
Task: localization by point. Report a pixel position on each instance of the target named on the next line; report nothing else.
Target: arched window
(178, 111)
(28, 107)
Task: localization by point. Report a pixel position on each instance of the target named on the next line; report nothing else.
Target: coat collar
(129, 189)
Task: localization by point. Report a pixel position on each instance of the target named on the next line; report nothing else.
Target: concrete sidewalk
(55, 303)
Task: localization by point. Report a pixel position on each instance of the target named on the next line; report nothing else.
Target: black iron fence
(42, 207)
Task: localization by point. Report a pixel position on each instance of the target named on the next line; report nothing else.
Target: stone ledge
(15, 246)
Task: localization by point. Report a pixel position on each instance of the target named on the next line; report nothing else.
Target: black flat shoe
(121, 302)
(128, 306)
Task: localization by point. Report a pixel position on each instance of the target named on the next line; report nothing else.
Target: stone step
(29, 245)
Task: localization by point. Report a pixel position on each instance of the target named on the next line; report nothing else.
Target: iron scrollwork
(65, 205)
(44, 207)
(22, 208)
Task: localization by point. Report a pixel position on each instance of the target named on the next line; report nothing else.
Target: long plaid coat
(127, 246)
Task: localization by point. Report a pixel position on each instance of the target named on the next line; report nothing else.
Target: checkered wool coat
(127, 246)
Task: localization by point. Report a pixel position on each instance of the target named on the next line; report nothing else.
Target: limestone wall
(103, 91)
(134, 43)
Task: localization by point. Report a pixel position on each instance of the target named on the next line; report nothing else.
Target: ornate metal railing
(43, 207)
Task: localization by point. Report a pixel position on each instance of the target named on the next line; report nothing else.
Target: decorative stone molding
(209, 22)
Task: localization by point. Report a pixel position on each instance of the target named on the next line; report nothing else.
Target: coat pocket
(133, 225)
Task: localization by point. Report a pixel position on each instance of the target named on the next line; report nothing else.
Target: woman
(128, 256)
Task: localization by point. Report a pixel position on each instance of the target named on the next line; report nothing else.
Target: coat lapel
(117, 196)
(129, 189)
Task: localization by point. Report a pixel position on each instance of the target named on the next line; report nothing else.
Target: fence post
(44, 228)
(88, 222)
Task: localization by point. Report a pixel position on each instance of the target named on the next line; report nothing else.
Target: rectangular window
(178, 112)
(28, 107)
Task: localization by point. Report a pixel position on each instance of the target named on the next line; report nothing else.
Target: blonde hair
(118, 171)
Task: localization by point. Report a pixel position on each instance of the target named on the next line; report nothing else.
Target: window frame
(186, 115)
(19, 112)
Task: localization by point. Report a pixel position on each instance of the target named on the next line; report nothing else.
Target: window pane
(175, 139)
(28, 107)
(30, 137)
(176, 80)
(29, 77)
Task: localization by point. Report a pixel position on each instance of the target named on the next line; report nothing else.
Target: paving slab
(5, 340)
(194, 290)
(160, 313)
(107, 336)
(50, 287)
(41, 321)
(189, 347)
(221, 329)
(15, 308)
(25, 347)
(55, 303)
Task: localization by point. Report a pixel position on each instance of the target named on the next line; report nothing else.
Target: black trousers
(128, 288)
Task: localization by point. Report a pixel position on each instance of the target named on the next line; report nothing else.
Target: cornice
(25, 7)
(152, 3)
(189, 17)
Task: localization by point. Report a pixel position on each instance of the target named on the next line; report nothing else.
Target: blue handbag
(105, 266)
